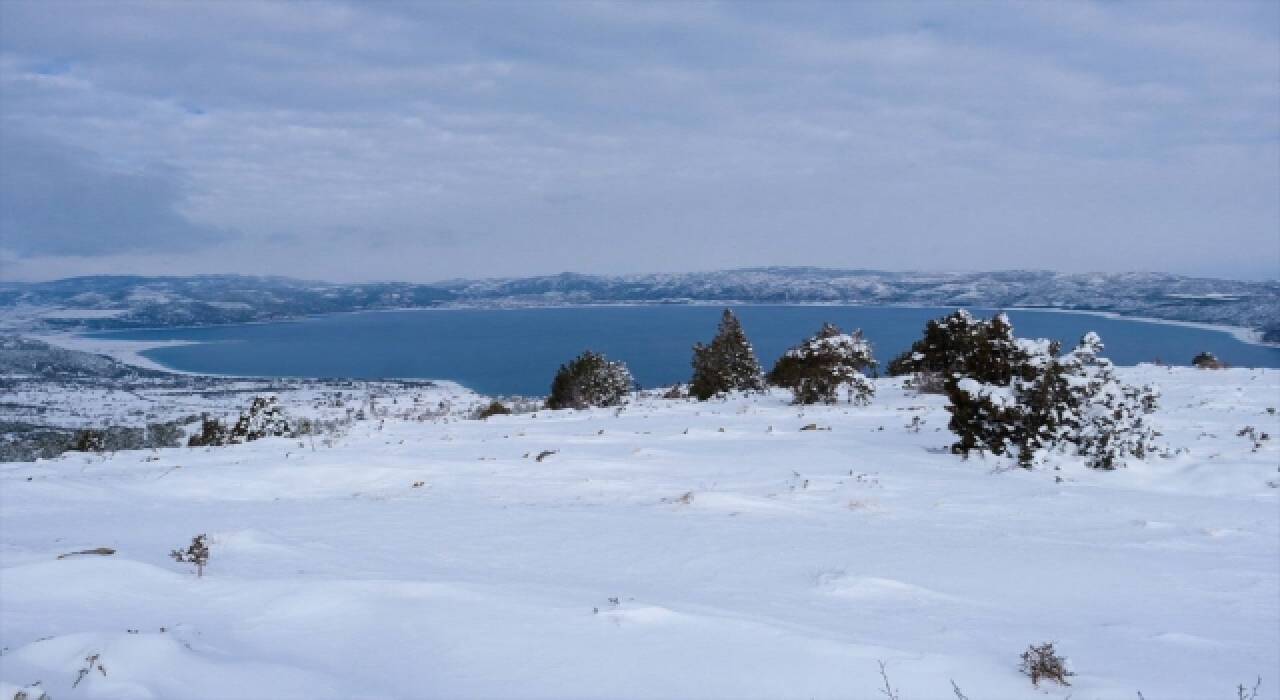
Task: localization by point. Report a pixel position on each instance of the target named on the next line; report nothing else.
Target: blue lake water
(517, 351)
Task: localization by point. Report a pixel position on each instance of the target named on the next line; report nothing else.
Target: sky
(428, 141)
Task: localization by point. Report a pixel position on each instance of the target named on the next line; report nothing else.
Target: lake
(516, 351)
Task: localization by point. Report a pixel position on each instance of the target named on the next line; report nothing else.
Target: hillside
(132, 302)
(668, 548)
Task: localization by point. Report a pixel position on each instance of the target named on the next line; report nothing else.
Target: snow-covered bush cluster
(590, 379)
(815, 370)
(818, 368)
(115, 438)
(1020, 398)
(727, 364)
(265, 418)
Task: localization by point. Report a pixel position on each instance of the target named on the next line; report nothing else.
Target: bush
(496, 408)
(265, 418)
(196, 553)
(948, 344)
(590, 380)
(1207, 360)
(89, 440)
(212, 433)
(1042, 662)
(116, 438)
(959, 344)
(727, 364)
(164, 434)
(1073, 402)
(816, 369)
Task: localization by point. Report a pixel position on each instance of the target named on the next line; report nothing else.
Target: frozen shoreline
(128, 352)
(1247, 336)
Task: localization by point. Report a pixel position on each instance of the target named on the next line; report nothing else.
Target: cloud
(57, 200)
(446, 139)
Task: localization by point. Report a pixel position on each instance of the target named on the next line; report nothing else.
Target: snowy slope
(747, 558)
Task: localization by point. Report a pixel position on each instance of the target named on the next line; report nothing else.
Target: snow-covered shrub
(1207, 360)
(727, 364)
(961, 344)
(1043, 663)
(590, 380)
(1110, 422)
(212, 433)
(1072, 403)
(164, 434)
(196, 553)
(495, 408)
(89, 440)
(818, 368)
(947, 344)
(265, 418)
(987, 413)
(116, 437)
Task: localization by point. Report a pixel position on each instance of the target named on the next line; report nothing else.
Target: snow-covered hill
(131, 302)
(670, 548)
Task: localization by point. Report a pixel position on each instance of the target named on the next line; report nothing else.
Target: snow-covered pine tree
(947, 345)
(590, 379)
(987, 413)
(816, 369)
(1072, 403)
(727, 364)
(1109, 422)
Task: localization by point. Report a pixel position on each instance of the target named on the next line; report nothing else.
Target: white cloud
(498, 139)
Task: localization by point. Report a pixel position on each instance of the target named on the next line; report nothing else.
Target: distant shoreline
(131, 352)
(1249, 336)
(127, 352)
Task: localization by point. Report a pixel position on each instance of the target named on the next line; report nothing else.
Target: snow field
(670, 549)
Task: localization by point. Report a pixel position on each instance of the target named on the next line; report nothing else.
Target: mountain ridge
(104, 302)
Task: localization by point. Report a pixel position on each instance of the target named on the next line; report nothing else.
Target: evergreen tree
(1070, 403)
(590, 380)
(1108, 424)
(816, 369)
(948, 344)
(727, 364)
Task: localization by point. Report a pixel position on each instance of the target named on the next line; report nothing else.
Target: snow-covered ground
(670, 548)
